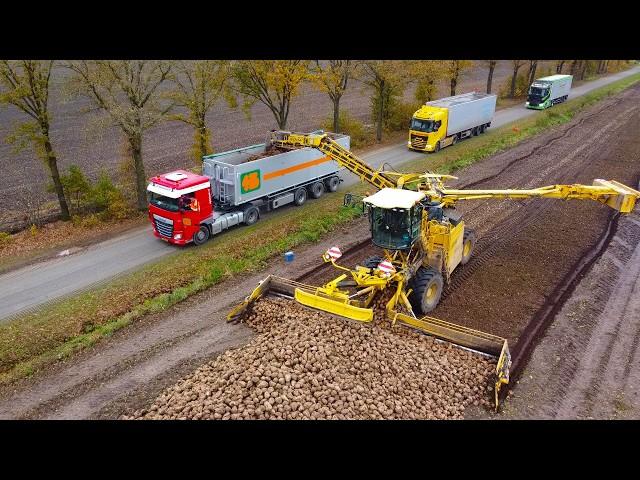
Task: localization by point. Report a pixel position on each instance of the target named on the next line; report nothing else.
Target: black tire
(475, 131)
(300, 196)
(332, 184)
(437, 149)
(468, 243)
(483, 129)
(372, 262)
(316, 189)
(251, 215)
(427, 285)
(202, 235)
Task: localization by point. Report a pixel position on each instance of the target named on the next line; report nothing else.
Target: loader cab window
(165, 203)
(394, 228)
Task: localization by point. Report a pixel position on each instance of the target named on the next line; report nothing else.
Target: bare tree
(198, 86)
(455, 70)
(559, 65)
(26, 86)
(517, 64)
(274, 83)
(333, 79)
(531, 75)
(128, 92)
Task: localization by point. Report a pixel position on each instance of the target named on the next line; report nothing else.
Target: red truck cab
(179, 202)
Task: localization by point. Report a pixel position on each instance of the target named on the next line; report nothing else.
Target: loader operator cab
(395, 216)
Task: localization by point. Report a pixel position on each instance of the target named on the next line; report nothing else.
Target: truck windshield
(422, 125)
(165, 203)
(538, 92)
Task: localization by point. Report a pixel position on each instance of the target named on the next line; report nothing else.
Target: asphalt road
(30, 287)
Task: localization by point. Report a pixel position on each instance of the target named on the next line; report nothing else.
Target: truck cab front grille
(418, 141)
(164, 226)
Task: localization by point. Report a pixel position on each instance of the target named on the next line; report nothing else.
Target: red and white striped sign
(387, 267)
(334, 252)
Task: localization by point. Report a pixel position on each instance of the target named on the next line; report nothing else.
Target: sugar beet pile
(309, 365)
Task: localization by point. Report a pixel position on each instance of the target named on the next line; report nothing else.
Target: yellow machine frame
(441, 247)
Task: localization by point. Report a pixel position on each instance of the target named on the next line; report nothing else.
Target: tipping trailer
(444, 122)
(235, 186)
(547, 91)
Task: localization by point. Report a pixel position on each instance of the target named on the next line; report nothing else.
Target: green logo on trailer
(250, 181)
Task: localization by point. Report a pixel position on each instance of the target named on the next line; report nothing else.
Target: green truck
(547, 91)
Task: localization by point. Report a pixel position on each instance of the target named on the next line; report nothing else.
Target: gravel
(306, 364)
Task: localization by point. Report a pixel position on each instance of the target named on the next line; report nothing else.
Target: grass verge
(57, 331)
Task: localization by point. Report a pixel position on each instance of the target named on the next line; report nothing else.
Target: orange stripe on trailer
(302, 166)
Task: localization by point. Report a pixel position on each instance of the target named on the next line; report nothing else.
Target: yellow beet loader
(413, 220)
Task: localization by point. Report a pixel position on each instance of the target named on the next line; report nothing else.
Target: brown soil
(524, 250)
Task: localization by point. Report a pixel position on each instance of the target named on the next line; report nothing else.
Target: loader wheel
(317, 189)
(468, 242)
(300, 196)
(372, 262)
(332, 184)
(251, 215)
(427, 287)
(202, 235)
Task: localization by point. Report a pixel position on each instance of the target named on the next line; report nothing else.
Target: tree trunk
(135, 141)
(380, 114)
(585, 64)
(492, 66)
(532, 71)
(454, 82)
(512, 94)
(574, 66)
(559, 66)
(336, 115)
(52, 163)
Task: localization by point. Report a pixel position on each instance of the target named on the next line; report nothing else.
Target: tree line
(135, 95)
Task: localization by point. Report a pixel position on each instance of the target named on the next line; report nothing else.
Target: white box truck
(548, 91)
(443, 122)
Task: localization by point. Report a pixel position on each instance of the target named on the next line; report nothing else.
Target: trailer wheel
(475, 132)
(332, 183)
(317, 189)
(427, 285)
(251, 215)
(202, 235)
(468, 242)
(483, 128)
(300, 196)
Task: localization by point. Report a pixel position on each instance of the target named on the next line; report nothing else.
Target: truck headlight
(177, 236)
(526, 103)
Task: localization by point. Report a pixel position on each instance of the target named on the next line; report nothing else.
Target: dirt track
(525, 249)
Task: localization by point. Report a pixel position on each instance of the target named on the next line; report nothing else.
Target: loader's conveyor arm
(337, 153)
(612, 193)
